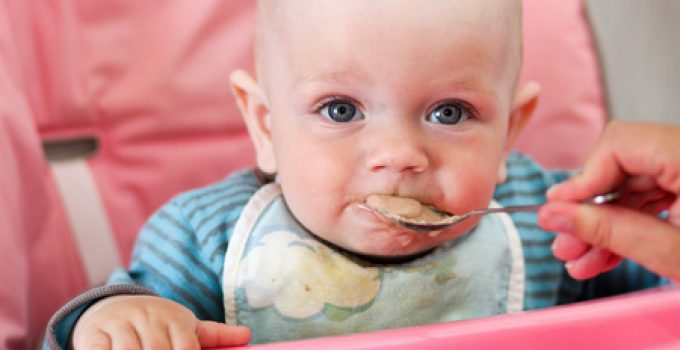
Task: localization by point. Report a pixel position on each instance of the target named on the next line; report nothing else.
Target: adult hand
(642, 162)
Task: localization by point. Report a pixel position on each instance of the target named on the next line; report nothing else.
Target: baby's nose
(398, 152)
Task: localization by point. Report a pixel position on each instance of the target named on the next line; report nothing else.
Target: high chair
(109, 108)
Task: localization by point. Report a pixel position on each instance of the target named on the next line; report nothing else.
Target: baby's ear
(523, 106)
(255, 109)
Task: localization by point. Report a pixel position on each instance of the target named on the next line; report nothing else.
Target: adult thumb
(644, 238)
(214, 334)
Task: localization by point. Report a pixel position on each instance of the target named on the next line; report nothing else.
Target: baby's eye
(449, 114)
(341, 111)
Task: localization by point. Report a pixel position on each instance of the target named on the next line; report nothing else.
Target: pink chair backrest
(559, 54)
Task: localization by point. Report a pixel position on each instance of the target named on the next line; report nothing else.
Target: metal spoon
(448, 219)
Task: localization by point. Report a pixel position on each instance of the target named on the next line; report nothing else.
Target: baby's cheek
(310, 206)
(470, 193)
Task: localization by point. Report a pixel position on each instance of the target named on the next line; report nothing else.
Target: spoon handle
(454, 219)
(512, 209)
(597, 200)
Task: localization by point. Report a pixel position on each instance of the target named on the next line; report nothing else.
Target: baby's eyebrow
(345, 76)
(468, 86)
(334, 76)
(318, 80)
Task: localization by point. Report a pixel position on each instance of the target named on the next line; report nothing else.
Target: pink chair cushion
(149, 81)
(27, 205)
(21, 196)
(559, 54)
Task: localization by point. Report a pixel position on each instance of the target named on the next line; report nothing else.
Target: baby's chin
(364, 233)
(396, 242)
(406, 245)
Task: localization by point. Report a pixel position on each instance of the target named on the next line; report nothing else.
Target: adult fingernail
(556, 244)
(557, 217)
(560, 224)
(551, 190)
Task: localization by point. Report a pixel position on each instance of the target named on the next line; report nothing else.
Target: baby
(415, 100)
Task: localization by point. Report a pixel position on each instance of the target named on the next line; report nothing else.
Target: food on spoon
(404, 209)
(401, 206)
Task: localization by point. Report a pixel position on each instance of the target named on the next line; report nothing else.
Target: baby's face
(404, 98)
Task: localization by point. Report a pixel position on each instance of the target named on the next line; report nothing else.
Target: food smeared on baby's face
(393, 89)
(403, 208)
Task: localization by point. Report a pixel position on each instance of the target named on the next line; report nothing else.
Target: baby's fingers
(97, 340)
(214, 334)
(114, 336)
(154, 335)
(124, 336)
(184, 337)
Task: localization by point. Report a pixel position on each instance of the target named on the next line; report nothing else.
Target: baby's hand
(149, 322)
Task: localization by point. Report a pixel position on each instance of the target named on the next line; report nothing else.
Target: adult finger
(642, 200)
(583, 260)
(594, 262)
(569, 247)
(627, 150)
(602, 172)
(646, 239)
(214, 334)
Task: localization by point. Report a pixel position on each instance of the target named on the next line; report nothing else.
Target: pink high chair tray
(641, 320)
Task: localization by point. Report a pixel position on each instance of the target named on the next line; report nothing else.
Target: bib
(283, 283)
